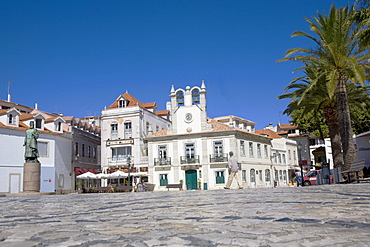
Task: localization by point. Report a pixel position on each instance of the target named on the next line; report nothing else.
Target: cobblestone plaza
(327, 215)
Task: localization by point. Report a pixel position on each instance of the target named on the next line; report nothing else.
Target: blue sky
(75, 57)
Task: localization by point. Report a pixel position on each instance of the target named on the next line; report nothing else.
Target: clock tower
(188, 110)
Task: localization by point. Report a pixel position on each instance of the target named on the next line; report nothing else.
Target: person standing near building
(233, 171)
(298, 176)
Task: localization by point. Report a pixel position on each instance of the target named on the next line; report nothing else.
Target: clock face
(188, 117)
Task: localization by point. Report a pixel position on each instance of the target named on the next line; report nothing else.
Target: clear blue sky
(75, 57)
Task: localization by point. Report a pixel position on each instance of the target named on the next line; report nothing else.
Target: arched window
(195, 96)
(180, 98)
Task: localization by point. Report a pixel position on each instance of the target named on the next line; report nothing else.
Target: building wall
(57, 160)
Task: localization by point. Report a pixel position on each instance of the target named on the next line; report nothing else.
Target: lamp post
(129, 168)
(300, 160)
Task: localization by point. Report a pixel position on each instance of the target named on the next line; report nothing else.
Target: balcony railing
(120, 160)
(218, 158)
(162, 161)
(189, 160)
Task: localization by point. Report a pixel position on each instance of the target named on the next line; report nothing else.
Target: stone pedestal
(31, 177)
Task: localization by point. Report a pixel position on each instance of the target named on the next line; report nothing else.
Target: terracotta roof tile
(268, 132)
(162, 113)
(287, 126)
(26, 116)
(132, 101)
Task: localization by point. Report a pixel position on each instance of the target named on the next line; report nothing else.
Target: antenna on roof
(8, 89)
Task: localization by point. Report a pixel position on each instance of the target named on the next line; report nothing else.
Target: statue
(30, 142)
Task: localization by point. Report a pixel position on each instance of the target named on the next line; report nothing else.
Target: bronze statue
(30, 142)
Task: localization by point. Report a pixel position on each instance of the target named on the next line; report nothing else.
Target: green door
(191, 179)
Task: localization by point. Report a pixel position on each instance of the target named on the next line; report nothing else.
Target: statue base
(31, 176)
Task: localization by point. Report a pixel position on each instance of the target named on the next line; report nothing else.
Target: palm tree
(317, 100)
(312, 97)
(339, 59)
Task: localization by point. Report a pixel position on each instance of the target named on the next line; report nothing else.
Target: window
(94, 152)
(195, 96)
(242, 148)
(83, 150)
(244, 176)
(76, 149)
(89, 151)
(147, 128)
(280, 175)
(220, 177)
(266, 152)
(295, 156)
(189, 150)
(121, 153)
(11, 119)
(253, 176)
(289, 155)
(43, 149)
(114, 130)
(122, 103)
(260, 175)
(128, 130)
(284, 161)
(251, 149)
(163, 180)
(38, 123)
(218, 148)
(279, 155)
(180, 98)
(259, 151)
(162, 154)
(59, 126)
(267, 175)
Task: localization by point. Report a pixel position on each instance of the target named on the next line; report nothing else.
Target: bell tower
(188, 109)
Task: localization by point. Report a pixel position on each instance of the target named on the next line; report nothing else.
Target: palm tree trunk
(331, 117)
(344, 119)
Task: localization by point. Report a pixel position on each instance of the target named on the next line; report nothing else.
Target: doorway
(191, 179)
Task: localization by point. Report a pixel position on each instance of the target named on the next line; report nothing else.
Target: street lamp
(300, 160)
(129, 168)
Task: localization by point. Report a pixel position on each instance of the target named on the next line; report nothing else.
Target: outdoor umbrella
(86, 175)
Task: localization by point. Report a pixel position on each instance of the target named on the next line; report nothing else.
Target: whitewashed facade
(194, 150)
(125, 124)
(55, 145)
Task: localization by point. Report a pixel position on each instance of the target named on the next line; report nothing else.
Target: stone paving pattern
(326, 215)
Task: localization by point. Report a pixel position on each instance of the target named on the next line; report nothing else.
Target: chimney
(36, 106)
(9, 97)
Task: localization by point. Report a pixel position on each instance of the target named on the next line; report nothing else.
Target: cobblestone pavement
(326, 215)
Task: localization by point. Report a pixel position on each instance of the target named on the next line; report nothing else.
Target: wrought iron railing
(162, 161)
(189, 160)
(218, 158)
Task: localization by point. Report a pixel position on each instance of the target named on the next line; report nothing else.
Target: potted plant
(80, 186)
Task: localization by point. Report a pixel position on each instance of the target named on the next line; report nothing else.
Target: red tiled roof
(132, 101)
(268, 132)
(287, 126)
(26, 116)
(162, 113)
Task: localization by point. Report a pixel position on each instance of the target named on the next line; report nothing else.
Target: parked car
(311, 177)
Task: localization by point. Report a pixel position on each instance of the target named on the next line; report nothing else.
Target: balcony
(120, 161)
(189, 160)
(162, 161)
(218, 158)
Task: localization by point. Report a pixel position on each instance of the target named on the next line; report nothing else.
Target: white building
(55, 142)
(125, 124)
(363, 150)
(194, 150)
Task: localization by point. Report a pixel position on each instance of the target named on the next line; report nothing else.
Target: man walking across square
(233, 171)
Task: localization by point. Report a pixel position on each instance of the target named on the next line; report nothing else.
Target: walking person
(233, 171)
(298, 176)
